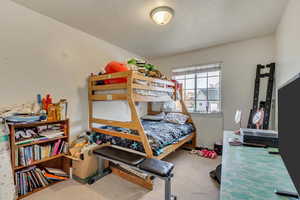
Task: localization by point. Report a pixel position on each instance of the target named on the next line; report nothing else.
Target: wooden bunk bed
(132, 96)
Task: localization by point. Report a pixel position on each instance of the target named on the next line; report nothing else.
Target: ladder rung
(265, 75)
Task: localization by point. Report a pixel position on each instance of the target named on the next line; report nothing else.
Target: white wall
(288, 43)
(41, 55)
(238, 74)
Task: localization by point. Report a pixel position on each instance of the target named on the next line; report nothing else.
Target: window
(201, 87)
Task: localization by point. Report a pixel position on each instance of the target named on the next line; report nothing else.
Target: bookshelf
(49, 159)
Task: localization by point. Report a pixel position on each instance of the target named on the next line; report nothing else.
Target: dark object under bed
(159, 133)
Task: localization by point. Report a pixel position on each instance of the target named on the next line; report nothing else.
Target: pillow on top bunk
(177, 118)
(158, 117)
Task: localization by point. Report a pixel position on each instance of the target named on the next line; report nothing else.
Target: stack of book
(30, 179)
(33, 178)
(51, 133)
(55, 174)
(27, 155)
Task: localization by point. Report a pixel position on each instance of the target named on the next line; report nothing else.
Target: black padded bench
(154, 167)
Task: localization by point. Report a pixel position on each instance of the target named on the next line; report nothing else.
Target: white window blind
(201, 87)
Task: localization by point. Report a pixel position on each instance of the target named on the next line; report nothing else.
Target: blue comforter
(159, 133)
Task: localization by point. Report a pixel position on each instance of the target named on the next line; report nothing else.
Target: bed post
(90, 85)
(135, 116)
(149, 108)
(185, 111)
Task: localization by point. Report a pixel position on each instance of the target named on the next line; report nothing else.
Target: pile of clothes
(134, 65)
(206, 153)
(145, 68)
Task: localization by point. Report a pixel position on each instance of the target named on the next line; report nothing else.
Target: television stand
(287, 193)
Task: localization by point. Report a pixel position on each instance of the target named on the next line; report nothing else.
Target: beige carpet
(191, 182)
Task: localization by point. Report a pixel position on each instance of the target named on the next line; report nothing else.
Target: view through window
(201, 87)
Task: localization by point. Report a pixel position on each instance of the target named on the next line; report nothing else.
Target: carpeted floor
(191, 182)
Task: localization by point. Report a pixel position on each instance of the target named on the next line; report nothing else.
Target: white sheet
(116, 110)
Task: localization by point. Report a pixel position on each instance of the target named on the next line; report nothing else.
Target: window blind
(196, 69)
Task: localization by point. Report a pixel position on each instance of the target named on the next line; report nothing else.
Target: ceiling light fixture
(162, 15)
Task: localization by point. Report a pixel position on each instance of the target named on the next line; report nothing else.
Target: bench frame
(167, 179)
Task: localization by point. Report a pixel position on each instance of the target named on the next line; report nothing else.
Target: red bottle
(46, 102)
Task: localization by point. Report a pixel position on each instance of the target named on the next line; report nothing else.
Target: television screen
(289, 127)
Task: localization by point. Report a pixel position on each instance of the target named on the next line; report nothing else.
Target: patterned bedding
(7, 188)
(159, 133)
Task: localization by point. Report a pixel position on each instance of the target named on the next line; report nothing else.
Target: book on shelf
(57, 172)
(54, 177)
(52, 133)
(32, 178)
(27, 155)
(42, 137)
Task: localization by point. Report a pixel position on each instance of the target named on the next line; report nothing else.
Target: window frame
(205, 69)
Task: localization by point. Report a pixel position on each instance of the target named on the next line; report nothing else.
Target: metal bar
(134, 167)
(168, 194)
(207, 92)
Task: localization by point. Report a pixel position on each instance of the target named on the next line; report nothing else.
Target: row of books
(33, 178)
(27, 155)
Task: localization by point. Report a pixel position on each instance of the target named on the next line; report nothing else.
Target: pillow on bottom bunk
(158, 117)
(176, 118)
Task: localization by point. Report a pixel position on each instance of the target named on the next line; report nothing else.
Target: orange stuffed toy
(114, 67)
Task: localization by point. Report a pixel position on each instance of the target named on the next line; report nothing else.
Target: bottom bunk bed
(164, 138)
(160, 135)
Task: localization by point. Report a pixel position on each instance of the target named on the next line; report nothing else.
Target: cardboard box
(86, 167)
(88, 164)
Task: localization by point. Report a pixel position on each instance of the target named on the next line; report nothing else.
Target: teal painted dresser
(250, 173)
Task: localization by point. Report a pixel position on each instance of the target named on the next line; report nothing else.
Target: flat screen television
(289, 127)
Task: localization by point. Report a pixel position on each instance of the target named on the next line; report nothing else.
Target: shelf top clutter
(37, 123)
(141, 88)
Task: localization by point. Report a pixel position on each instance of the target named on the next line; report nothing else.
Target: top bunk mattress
(160, 134)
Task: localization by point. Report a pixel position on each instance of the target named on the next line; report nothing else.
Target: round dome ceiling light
(162, 15)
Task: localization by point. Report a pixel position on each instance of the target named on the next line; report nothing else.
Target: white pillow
(177, 118)
(158, 117)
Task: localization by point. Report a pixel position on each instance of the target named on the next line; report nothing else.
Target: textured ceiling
(197, 23)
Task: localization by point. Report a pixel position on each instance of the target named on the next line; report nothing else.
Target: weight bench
(154, 167)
